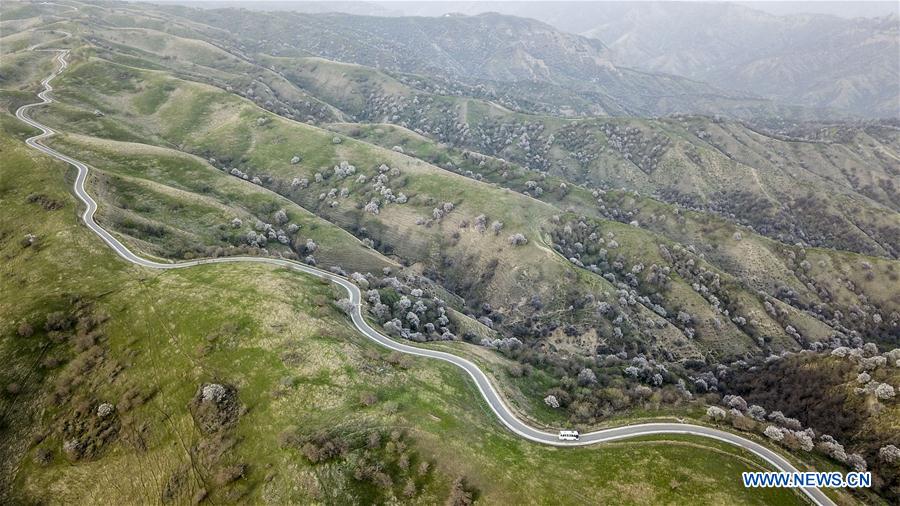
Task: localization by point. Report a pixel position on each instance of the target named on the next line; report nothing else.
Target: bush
(25, 330)
(517, 240)
(460, 494)
(715, 413)
(58, 321)
(587, 377)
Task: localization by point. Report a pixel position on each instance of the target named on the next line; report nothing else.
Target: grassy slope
(162, 110)
(148, 103)
(198, 201)
(173, 118)
(255, 327)
(197, 59)
(623, 232)
(173, 112)
(343, 83)
(846, 175)
(761, 263)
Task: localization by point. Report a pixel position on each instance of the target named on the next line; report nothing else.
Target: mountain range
(534, 65)
(846, 65)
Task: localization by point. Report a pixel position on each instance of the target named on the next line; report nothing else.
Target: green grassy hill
(836, 190)
(669, 258)
(82, 329)
(265, 149)
(783, 188)
(152, 107)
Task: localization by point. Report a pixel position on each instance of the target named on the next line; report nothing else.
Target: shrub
(889, 454)
(480, 223)
(587, 377)
(884, 391)
(774, 433)
(58, 321)
(25, 330)
(345, 305)
(715, 413)
(517, 240)
(460, 494)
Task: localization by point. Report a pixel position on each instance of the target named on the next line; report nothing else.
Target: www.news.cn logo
(808, 479)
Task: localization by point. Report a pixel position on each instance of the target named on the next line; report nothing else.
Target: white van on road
(569, 435)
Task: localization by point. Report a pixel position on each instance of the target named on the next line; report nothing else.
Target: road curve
(490, 394)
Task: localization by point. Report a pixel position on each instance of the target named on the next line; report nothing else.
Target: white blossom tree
(756, 412)
(213, 392)
(345, 305)
(889, 454)
(774, 433)
(105, 410)
(884, 391)
(715, 413)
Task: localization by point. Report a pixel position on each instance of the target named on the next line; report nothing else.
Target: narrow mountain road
(490, 394)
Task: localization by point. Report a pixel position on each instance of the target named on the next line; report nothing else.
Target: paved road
(490, 394)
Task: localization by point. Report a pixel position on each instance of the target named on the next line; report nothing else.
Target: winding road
(490, 394)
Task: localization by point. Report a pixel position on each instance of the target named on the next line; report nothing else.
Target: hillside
(296, 373)
(750, 174)
(599, 268)
(819, 61)
(525, 63)
(812, 60)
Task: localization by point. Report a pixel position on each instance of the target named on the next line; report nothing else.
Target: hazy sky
(847, 9)
(843, 9)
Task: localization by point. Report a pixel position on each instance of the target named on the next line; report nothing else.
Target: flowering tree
(715, 413)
